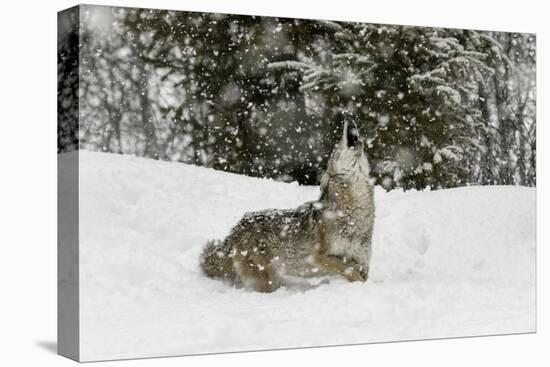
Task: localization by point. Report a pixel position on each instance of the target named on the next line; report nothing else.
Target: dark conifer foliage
(266, 97)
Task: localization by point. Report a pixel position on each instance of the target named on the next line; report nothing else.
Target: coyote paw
(364, 272)
(354, 275)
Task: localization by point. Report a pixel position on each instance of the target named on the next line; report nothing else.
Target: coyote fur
(330, 236)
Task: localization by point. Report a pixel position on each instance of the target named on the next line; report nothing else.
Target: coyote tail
(216, 261)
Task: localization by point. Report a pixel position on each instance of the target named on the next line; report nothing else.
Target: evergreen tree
(267, 97)
(412, 91)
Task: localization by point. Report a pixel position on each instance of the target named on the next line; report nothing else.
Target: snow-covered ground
(446, 263)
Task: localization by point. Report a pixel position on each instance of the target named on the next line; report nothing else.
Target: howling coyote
(329, 236)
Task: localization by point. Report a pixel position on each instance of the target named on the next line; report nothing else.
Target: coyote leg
(335, 265)
(257, 272)
(264, 275)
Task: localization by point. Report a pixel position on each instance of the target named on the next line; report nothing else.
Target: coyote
(329, 236)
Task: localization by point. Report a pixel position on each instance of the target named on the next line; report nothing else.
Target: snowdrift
(446, 263)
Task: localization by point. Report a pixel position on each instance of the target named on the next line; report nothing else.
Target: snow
(445, 263)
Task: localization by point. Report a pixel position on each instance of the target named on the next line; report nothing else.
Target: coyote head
(348, 161)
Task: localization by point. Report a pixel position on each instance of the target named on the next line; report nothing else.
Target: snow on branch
(352, 57)
(450, 152)
(288, 65)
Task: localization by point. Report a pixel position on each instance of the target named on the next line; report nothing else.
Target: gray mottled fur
(329, 236)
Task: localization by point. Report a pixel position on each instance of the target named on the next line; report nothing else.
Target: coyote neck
(349, 207)
(348, 195)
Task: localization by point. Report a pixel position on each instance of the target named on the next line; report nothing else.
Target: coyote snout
(329, 236)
